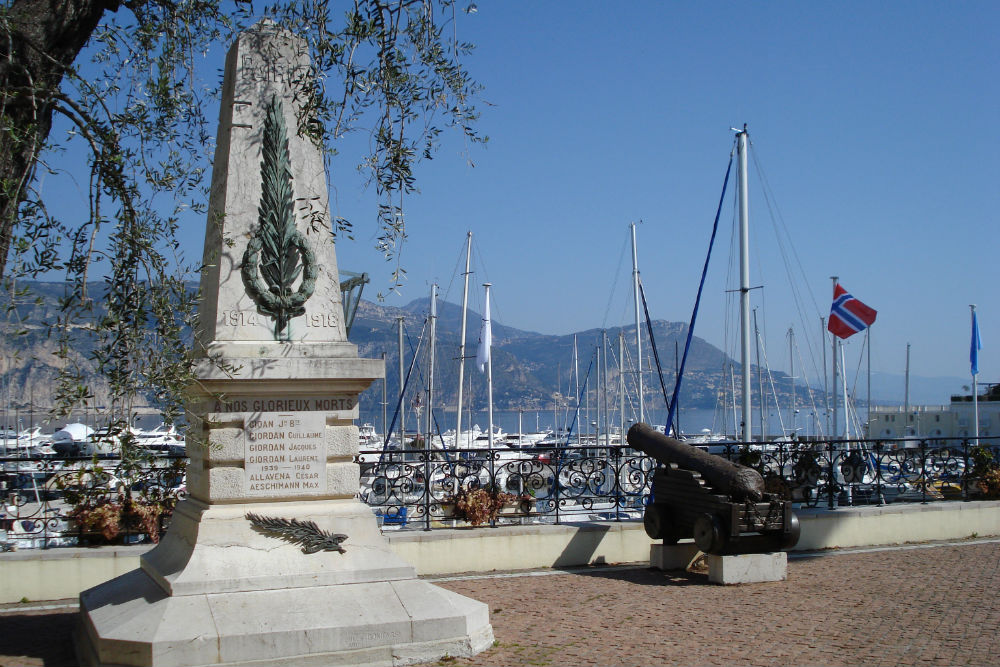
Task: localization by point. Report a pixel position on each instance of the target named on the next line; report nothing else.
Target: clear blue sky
(874, 124)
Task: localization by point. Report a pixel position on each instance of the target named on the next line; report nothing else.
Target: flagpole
(836, 424)
(868, 418)
(826, 378)
(843, 383)
(974, 368)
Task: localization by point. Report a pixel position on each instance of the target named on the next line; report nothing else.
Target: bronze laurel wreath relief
(277, 253)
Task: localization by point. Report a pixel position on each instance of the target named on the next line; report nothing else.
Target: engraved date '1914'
(244, 318)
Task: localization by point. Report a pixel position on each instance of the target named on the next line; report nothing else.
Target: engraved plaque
(298, 404)
(285, 454)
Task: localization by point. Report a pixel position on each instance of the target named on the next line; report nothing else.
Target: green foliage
(985, 471)
(385, 65)
(134, 101)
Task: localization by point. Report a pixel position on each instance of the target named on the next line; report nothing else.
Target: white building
(954, 420)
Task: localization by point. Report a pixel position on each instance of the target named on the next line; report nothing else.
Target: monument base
(217, 591)
(747, 568)
(132, 621)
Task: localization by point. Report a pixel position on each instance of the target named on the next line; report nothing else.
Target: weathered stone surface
(747, 568)
(214, 549)
(353, 624)
(264, 65)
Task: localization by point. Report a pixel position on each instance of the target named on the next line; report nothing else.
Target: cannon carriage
(720, 504)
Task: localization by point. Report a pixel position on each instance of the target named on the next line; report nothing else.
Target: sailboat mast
(489, 370)
(760, 377)
(621, 383)
(741, 148)
(576, 392)
(638, 337)
(604, 390)
(791, 372)
(906, 389)
(461, 344)
(402, 382)
(732, 383)
(385, 404)
(430, 374)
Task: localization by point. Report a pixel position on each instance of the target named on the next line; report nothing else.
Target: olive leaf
(306, 533)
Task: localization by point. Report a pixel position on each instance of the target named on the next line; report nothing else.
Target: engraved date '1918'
(248, 318)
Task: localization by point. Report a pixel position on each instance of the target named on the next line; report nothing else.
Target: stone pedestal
(217, 592)
(672, 556)
(238, 578)
(747, 568)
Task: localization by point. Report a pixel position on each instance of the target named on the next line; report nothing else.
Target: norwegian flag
(848, 316)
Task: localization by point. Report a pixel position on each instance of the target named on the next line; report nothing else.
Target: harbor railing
(78, 501)
(83, 501)
(417, 489)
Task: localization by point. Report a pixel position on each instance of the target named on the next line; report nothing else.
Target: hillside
(530, 370)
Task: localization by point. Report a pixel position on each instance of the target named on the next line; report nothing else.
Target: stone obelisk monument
(272, 560)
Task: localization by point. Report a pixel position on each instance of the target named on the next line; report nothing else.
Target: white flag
(485, 337)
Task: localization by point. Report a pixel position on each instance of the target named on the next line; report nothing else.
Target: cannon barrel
(738, 482)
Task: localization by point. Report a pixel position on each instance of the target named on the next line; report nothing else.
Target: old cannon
(722, 505)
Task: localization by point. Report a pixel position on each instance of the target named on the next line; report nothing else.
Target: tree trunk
(40, 39)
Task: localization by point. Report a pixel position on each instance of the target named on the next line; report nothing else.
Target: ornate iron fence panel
(50, 502)
(556, 484)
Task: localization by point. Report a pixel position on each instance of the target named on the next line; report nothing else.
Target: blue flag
(976, 345)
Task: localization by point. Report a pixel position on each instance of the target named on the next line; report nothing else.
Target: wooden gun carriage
(722, 505)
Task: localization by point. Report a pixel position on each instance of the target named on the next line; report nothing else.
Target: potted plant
(106, 506)
(480, 505)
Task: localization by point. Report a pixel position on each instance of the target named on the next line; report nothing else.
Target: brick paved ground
(931, 606)
(936, 606)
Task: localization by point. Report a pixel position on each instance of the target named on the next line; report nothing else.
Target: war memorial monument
(272, 559)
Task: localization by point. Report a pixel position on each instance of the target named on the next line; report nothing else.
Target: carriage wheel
(782, 539)
(709, 534)
(658, 524)
(790, 537)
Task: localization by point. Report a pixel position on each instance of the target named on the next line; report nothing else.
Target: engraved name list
(285, 454)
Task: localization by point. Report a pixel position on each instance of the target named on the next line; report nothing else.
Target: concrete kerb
(62, 573)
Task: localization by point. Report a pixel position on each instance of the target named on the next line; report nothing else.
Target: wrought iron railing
(51, 502)
(421, 490)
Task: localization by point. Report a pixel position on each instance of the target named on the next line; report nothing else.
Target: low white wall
(54, 574)
(447, 551)
(523, 547)
(897, 524)
(62, 573)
